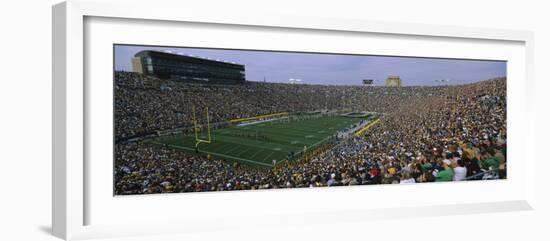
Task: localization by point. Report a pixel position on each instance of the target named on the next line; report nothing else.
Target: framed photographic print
(187, 120)
(182, 115)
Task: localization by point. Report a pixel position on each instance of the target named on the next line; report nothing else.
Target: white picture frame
(72, 191)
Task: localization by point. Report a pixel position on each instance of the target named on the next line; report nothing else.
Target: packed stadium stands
(425, 134)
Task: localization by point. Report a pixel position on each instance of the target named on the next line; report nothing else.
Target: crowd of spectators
(426, 134)
(146, 104)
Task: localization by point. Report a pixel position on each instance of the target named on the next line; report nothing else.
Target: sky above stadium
(335, 69)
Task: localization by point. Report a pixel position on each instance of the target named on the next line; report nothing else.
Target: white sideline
(217, 154)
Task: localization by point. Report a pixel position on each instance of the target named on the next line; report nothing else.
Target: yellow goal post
(196, 129)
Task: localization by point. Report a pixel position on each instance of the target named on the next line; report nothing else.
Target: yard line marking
(245, 150)
(268, 156)
(313, 145)
(232, 149)
(213, 153)
(259, 151)
(246, 142)
(256, 144)
(220, 146)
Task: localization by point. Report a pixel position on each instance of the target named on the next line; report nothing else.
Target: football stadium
(190, 124)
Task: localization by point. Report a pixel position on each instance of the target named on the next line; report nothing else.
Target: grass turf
(261, 143)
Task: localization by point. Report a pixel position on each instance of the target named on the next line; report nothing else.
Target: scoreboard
(368, 82)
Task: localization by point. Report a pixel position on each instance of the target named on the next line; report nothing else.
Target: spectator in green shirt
(447, 174)
(490, 162)
(426, 167)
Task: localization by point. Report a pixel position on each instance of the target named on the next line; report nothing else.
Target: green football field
(261, 143)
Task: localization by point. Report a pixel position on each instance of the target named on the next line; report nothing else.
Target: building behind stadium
(187, 68)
